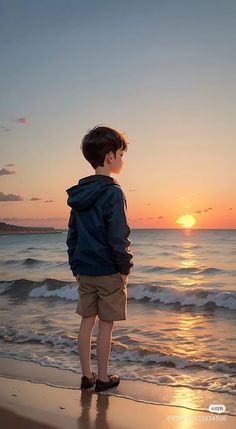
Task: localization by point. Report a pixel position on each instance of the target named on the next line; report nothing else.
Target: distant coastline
(7, 229)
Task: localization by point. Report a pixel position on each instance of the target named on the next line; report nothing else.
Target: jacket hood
(88, 190)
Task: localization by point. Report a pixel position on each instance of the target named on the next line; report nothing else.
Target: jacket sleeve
(117, 235)
(71, 240)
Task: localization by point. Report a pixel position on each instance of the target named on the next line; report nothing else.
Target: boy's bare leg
(84, 344)
(103, 348)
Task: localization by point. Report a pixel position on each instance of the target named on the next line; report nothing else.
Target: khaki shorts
(105, 296)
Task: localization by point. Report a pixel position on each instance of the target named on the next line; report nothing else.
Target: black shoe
(87, 383)
(104, 385)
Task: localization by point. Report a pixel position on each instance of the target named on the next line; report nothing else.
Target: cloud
(202, 211)
(5, 129)
(10, 219)
(49, 201)
(10, 197)
(230, 208)
(160, 217)
(131, 190)
(22, 120)
(9, 165)
(34, 199)
(4, 172)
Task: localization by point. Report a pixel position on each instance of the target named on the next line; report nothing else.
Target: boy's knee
(89, 320)
(106, 323)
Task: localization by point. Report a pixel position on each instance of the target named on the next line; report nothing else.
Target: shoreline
(37, 397)
(41, 406)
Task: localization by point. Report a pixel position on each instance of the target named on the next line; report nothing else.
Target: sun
(186, 221)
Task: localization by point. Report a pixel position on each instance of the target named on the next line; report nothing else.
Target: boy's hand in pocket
(77, 277)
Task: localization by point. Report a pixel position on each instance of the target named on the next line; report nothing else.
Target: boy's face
(115, 163)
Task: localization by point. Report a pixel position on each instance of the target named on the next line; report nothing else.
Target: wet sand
(36, 405)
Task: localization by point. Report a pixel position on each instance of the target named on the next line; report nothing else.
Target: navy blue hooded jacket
(97, 238)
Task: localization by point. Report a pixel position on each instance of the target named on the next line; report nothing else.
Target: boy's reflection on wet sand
(85, 420)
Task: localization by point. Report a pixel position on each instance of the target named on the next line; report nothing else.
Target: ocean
(181, 325)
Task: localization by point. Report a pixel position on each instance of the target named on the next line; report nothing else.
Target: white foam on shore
(203, 388)
(120, 352)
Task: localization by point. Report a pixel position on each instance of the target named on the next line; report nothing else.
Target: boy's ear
(108, 156)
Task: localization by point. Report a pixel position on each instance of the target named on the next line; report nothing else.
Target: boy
(98, 250)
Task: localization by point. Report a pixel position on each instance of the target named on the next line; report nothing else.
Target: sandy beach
(45, 402)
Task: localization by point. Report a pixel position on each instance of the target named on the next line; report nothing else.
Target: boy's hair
(99, 141)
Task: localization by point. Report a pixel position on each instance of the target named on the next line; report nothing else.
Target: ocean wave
(152, 269)
(193, 246)
(185, 270)
(178, 362)
(10, 334)
(31, 262)
(219, 384)
(10, 261)
(194, 297)
(66, 292)
(129, 351)
(6, 286)
(222, 385)
(151, 292)
(21, 288)
(196, 270)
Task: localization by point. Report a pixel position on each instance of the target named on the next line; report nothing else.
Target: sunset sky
(162, 72)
